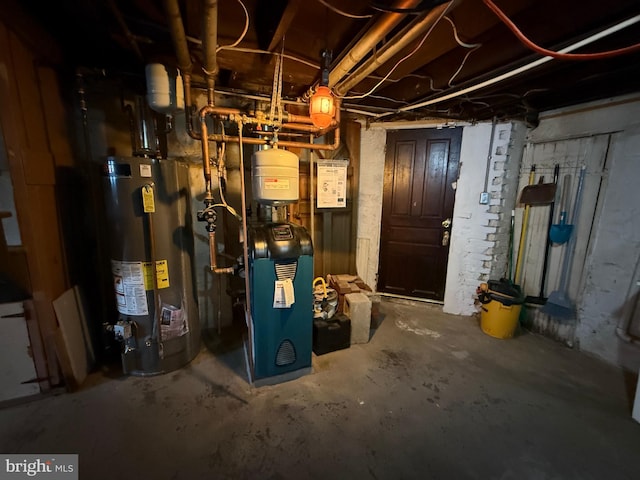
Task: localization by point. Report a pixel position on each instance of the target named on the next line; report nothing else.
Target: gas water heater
(148, 214)
(280, 276)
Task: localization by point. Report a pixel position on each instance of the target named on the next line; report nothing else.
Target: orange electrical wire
(550, 53)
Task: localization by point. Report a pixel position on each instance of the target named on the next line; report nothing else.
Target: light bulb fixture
(322, 108)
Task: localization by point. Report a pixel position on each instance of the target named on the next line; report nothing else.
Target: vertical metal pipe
(206, 165)
(245, 252)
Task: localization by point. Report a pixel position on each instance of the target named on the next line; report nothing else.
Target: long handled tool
(523, 231)
(541, 299)
(561, 231)
(559, 304)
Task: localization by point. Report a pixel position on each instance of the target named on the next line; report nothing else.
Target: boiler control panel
(279, 240)
(282, 232)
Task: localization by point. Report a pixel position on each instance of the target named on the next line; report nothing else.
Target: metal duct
(369, 40)
(393, 46)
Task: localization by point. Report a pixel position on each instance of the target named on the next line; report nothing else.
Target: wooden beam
(285, 21)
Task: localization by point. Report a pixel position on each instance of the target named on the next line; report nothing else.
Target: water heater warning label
(128, 283)
(162, 274)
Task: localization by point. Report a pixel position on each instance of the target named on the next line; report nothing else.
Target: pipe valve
(208, 215)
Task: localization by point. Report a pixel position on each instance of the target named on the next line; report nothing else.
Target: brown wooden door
(421, 167)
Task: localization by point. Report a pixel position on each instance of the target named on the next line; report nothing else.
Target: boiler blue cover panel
(273, 326)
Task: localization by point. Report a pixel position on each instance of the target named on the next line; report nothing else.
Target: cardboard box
(345, 284)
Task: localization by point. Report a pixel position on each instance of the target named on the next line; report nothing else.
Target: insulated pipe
(179, 37)
(393, 46)
(370, 39)
(172, 10)
(209, 45)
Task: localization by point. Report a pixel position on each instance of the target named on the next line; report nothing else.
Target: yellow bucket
(501, 303)
(499, 320)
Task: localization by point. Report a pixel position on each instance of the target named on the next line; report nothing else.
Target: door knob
(446, 223)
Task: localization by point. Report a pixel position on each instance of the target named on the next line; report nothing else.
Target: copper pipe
(213, 256)
(230, 112)
(206, 166)
(297, 118)
(319, 146)
(211, 110)
(300, 127)
(292, 118)
(393, 46)
(209, 45)
(188, 109)
(281, 143)
(225, 111)
(234, 139)
(369, 40)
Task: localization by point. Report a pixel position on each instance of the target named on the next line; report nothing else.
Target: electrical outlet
(484, 198)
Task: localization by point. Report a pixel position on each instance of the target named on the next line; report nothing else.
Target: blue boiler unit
(281, 278)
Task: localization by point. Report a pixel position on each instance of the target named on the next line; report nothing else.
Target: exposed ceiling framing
(453, 46)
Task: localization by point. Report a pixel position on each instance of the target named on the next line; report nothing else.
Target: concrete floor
(430, 396)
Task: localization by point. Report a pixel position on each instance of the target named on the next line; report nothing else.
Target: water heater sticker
(173, 321)
(162, 274)
(128, 281)
(276, 184)
(145, 170)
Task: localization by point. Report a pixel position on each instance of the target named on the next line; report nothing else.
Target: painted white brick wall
(479, 232)
(509, 146)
